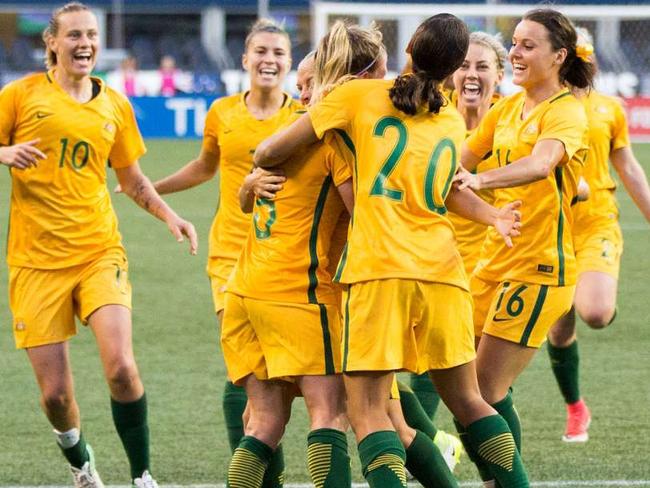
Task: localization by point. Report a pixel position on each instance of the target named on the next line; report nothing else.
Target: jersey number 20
(379, 187)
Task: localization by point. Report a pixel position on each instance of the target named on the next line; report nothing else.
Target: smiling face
(477, 78)
(76, 43)
(267, 60)
(534, 62)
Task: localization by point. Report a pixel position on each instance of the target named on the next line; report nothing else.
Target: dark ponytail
(578, 72)
(437, 49)
(413, 89)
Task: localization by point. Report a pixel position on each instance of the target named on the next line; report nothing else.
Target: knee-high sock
(131, 423)
(327, 459)
(382, 460)
(248, 463)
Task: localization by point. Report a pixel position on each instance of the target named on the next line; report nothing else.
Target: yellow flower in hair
(584, 51)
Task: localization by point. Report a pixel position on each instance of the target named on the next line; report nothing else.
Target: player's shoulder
(32, 82)
(227, 103)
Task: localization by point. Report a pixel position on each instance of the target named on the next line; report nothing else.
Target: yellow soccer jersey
(470, 235)
(61, 213)
(402, 174)
(544, 252)
(607, 132)
(234, 133)
(285, 257)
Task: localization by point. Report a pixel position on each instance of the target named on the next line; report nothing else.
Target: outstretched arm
(506, 220)
(138, 187)
(281, 145)
(546, 155)
(633, 177)
(192, 174)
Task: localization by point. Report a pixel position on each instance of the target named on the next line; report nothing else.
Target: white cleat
(145, 481)
(450, 447)
(87, 476)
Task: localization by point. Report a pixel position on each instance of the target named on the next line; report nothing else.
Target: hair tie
(367, 68)
(584, 51)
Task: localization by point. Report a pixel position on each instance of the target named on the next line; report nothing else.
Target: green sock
(506, 408)
(77, 454)
(234, 404)
(328, 459)
(483, 469)
(274, 475)
(565, 362)
(426, 464)
(248, 463)
(492, 440)
(130, 420)
(426, 392)
(382, 460)
(414, 414)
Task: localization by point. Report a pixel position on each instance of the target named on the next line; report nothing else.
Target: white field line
(537, 484)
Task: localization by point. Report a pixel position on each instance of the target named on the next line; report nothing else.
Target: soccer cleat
(87, 476)
(145, 481)
(450, 447)
(577, 422)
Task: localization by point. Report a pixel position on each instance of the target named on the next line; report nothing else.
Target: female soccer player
(475, 84)
(64, 251)
(538, 137)
(281, 316)
(597, 240)
(233, 128)
(407, 305)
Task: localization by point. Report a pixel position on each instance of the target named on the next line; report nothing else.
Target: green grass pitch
(176, 343)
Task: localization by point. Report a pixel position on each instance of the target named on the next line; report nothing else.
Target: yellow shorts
(219, 270)
(218, 287)
(402, 324)
(44, 302)
(518, 312)
(599, 246)
(275, 340)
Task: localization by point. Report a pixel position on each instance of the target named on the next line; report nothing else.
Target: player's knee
(57, 399)
(328, 418)
(267, 426)
(598, 317)
(122, 375)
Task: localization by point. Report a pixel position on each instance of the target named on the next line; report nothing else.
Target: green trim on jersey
(344, 255)
(346, 333)
(327, 340)
(566, 94)
(537, 309)
(560, 228)
(313, 240)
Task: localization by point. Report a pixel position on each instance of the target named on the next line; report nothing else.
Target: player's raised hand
(508, 222)
(21, 156)
(179, 228)
(465, 179)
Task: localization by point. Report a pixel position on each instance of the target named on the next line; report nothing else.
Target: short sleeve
(620, 134)
(8, 113)
(566, 123)
(210, 132)
(128, 146)
(481, 139)
(334, 111)
(338, 168)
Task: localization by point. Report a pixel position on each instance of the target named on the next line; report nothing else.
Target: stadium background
(176, 335)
